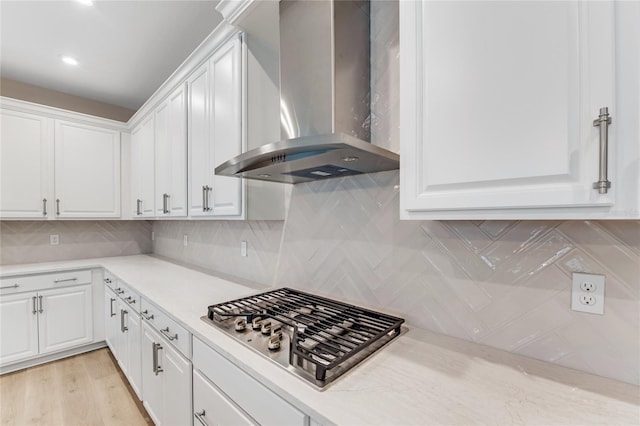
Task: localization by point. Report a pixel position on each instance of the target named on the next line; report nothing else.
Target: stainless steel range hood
(324, 98)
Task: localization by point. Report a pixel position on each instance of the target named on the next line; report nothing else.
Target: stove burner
(322, 338)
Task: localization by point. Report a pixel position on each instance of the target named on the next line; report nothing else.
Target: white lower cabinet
(42, 322)
(19, 327)
(166, 376)
(212, 407)
(237, 395)
(123, 331)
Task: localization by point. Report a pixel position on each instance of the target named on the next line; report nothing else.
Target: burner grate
(325, 333)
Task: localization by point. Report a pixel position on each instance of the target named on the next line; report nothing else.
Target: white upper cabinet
(171, 155)
(498, 101)
(26, 146)
(143, 169)
(87, 171)
(215, 132)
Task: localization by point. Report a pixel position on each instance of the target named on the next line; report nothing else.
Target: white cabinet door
(171, 155)
(497, 106)
(151, 378)
(143, 169)
(226, 137)
(176, 386)
(26, 154)
(210, 405)
(65, 318)
(215, 133)
(18, 327)
(87, 171)
(200, 151)
(111, 319)
(134, 356)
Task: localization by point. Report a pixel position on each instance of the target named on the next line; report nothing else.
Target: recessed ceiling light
(69, 60)
(86, 2)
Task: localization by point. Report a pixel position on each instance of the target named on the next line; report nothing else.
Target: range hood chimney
(324, 98)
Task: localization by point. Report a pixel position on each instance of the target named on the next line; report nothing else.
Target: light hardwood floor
(87, 389)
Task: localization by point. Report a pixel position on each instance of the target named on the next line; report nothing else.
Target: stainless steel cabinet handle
(138, 207)
(41, 310)
(204, 198)
(165, 203)
(156, 368)
(165, 332)
(130, 300)
(123, 312)
(44, 207)
(65, 280)
(199, 415)
(603, 121)
(145, 315)
(111, 307)
(35, 311)
(107, 280)
(9, 286)
(58, 206)
(118, 290)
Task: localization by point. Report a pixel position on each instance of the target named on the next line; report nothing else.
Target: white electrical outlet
(54, 240)
(243, 249)
(587, 294)
(185, 240)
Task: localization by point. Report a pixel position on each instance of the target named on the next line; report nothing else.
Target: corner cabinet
(215, 132)
(498, 102)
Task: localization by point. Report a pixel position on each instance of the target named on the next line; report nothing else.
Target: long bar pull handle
(165, 203)
(58, 206)
(204, 198)
(44, 207)
(603, 121)
(199, 416)
(34, 311)
(123, 328)
(9, 286)
(65, 280)
(209, 189)
(113, 314)
(156, 368)
(138, 207)
(41, 310)
(165, 332)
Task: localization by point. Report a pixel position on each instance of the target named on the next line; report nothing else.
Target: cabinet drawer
(255, 399)
(212, 406)
(167, 326)
(21, 284)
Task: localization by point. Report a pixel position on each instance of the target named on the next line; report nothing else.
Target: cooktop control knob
(274, 342)
(256, 323)
(266, 328)
(240, 324)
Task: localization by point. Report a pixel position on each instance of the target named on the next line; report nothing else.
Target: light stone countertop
(420, 378)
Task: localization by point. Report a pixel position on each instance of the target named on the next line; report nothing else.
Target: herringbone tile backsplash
(501, 283)
(28, 241)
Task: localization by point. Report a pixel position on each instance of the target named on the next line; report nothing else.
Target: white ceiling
(125, 49)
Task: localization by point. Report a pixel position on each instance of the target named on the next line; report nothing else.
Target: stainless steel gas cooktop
(314, 337)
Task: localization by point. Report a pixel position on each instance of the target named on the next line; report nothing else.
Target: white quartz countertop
(420, 378)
